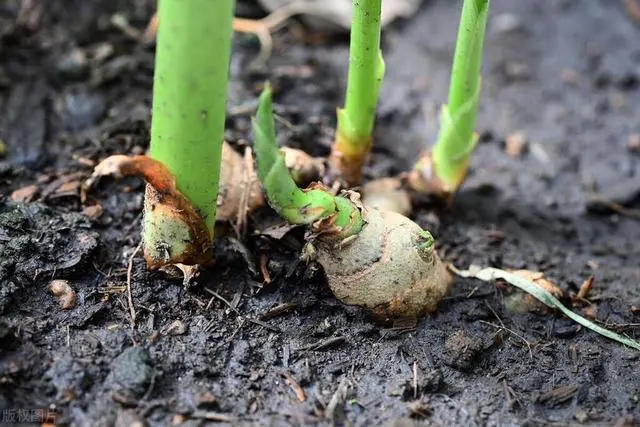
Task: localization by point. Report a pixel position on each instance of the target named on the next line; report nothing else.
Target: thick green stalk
(290, 202)
(456, 139)
(366, 71)
(190, 94)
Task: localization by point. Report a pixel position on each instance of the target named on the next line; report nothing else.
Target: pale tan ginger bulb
(384, 269)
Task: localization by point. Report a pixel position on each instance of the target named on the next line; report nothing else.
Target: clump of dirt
(259, 338)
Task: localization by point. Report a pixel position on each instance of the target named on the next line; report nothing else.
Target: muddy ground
(233, 349)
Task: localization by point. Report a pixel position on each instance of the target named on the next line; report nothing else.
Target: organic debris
(25, 194)
(328, 16)
(633, 9)
(93, 212)
(239, 190)
(524, 282)
(633, 144)
(336, 14)
(521, 302)
(585, 288)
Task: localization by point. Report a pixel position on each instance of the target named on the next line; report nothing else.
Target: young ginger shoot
(444, 169)
(366, 71)
(376, 259)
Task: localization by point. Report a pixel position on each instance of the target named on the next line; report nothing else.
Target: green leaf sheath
(456, 140)
(290, 202)
(366, 71)
(190, 94)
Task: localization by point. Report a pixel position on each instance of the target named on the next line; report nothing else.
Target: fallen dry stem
(132, 308)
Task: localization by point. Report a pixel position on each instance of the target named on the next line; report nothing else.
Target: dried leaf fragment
(239, 191)
(25, 194)
(522, 302)
(490, 274)
(585, 288)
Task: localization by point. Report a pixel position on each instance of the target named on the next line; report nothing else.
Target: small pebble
(176, 328)
(633, 144)
(506, 23)
(517, 70)
(131, 372)
(570, 76)
(515, 144)
(64, 293)
(93, 212)
(129, 418)
(81, 109)
(73, 64)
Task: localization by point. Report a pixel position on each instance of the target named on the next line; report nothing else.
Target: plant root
(390, 268)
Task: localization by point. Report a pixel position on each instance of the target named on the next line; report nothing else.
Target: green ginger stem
(290, 202)
(456, 139)
(366, 71)
(190, 94)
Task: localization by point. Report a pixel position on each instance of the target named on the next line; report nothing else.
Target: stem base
(348, 157)
(171, 235)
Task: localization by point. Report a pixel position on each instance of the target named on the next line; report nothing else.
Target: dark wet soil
(233, 349)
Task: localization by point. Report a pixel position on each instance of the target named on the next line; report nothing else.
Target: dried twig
(132, 309)
(294, 385)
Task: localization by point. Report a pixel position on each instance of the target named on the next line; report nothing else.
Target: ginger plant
(444, 169)
(189, 101)
(366, 71)
(380, 260)
(441, 171)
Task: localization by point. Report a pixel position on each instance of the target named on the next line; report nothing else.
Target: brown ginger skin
(384, 269)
